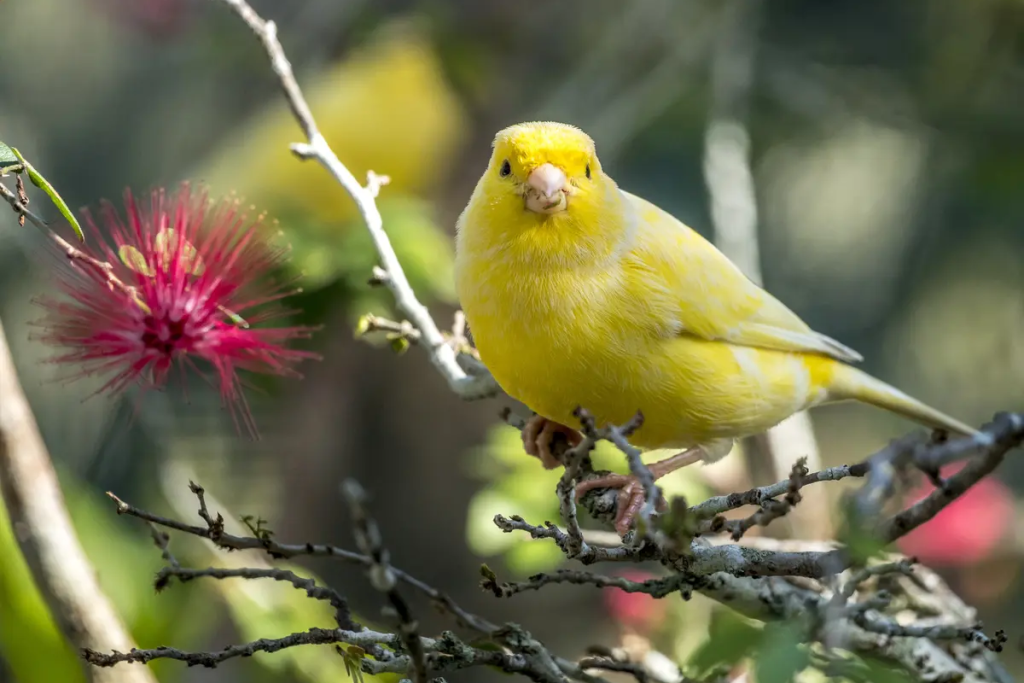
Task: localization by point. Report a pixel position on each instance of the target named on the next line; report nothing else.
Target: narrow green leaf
(41, 182)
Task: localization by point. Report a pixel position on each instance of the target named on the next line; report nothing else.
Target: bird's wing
(712, 298)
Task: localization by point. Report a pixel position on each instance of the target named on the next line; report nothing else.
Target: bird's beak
(547, 190)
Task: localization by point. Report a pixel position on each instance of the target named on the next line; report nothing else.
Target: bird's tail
(850, 383)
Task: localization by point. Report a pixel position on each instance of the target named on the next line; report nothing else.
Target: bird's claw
(630, 501)
(539, 434)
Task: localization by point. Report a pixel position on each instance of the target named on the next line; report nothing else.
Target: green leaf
(7, 159)
(781, 655)
(39, 181)
(731, 638)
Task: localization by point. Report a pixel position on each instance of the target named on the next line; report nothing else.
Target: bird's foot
(631, 492)
(539, 435)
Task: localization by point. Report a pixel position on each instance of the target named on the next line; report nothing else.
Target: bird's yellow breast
(604, 337)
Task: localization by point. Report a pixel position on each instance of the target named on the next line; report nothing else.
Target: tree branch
(46, 537)
(479, 385)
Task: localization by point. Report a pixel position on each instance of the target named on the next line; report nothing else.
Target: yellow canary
(580, 294)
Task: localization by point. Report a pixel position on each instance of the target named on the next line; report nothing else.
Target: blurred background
(887, 156)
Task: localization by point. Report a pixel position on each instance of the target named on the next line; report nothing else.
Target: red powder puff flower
(186, 278)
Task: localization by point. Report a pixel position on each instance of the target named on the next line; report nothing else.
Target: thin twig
(314, 636)
(719, 504)
(973, 634)
(530, 657)
(342, 614)
(382, 576)
(657, 588)
(574, 546)
(771, 509)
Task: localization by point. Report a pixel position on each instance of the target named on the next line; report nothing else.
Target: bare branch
(719, 504)
(314, 636)
(529, 657)
(214, 532)
(657, 588)
(972, 634)
(342, 613)
(441, 355)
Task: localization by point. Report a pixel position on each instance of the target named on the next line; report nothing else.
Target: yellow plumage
(578, 293)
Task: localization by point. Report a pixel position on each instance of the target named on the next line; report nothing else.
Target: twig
(771, 509)
(162, 540)
(719, 504)
(529, 657)
(46, 537)
(618, 436)
(21, 208)
(973, 634)
(573, 544)
(383, 578)
(619, 553)
(657, 588)
(903, 566)
(986, 451)
(441, 355)
(342, 614)
(314, 636)
(75, 255)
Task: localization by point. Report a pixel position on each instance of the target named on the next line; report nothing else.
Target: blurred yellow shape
(387, 108)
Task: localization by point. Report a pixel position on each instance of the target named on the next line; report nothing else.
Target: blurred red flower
(195, 277)
(639, 611)
(967, 530)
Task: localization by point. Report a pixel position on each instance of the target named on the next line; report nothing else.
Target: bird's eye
(506, 169)
(588, 171)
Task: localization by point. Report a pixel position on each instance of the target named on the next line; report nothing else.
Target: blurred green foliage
(125, 560)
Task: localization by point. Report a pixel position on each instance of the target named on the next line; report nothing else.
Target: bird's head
(544, 185)
(548, 168)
